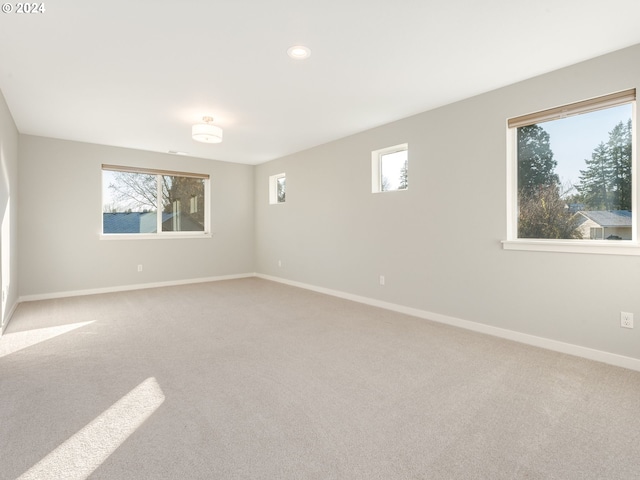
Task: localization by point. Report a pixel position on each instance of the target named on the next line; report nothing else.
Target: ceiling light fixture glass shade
(206, 132)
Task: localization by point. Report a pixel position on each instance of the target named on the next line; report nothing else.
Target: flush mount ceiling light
(206, 132)
(299, 52)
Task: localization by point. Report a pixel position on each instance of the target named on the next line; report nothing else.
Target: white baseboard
(546, 343)
(124, 288)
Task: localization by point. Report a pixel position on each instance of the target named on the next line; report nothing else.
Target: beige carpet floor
(251, 379)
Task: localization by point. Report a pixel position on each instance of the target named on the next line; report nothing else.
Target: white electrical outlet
(279, 263)
(139, 268)
(626, 319)
(382, 280)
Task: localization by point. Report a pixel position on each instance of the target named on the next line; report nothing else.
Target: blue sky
(573, 139)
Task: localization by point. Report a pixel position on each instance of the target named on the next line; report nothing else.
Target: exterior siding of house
(600, 225)
(623, 232)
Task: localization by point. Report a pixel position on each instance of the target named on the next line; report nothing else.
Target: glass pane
(281, 187)
(574, 177)
(129, 202)
(182, 204)
(393, 171)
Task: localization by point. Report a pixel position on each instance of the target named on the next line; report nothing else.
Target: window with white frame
(390, 169)
(572, 172)
(139, 201)
(277, 188)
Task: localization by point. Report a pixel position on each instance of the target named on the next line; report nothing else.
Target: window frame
(376, 167)
(159, 234)
(273, 189)
(587, 246)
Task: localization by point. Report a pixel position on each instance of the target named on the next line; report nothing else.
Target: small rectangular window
(390, 169)
(153, 202)
(574, 171)
(277, 188)
(596, 233)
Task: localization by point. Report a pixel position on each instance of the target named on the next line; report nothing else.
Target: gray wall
(60, 221)
(438, 243)
(8, 216)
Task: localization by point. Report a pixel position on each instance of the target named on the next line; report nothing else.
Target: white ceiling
(139, 73)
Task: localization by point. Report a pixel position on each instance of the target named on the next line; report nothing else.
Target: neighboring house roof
(610, 218)
(131, 222)
(143, 222)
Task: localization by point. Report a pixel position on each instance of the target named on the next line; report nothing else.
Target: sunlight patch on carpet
(13, 342)
(86, 450)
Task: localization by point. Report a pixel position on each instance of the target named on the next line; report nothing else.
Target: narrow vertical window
(277, 188)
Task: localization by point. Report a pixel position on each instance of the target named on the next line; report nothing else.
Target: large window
(390, 169)
(573, 172)
(153, 202)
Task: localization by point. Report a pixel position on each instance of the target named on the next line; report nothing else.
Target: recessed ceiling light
(299, 52)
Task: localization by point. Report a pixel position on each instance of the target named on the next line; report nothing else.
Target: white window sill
(391, 191)
(605, 247)
(155, 236)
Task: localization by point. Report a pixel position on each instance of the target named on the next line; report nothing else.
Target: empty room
(319, 240)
